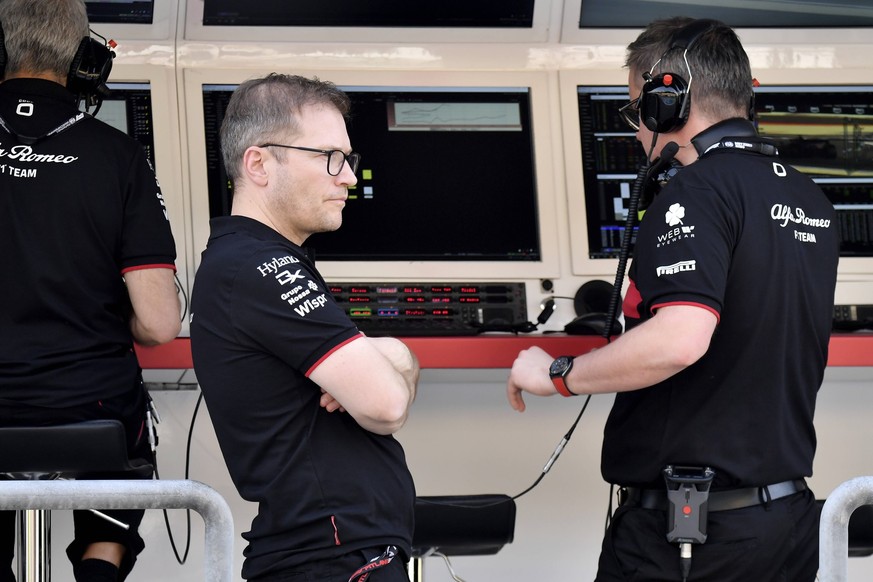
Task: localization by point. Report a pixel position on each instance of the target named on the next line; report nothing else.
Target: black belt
(718, 500)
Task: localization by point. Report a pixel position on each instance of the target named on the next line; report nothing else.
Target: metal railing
(834, 529)
(137, 494)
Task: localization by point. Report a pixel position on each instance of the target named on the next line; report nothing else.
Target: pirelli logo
(679, 267)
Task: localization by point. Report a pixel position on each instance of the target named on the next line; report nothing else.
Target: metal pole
(834, 527)
(34, 562)
(415, 569)
(136, 494)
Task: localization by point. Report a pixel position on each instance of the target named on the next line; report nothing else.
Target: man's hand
(530, 373)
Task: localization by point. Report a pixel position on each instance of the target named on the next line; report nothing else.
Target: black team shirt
(78, 209)
(747, 237)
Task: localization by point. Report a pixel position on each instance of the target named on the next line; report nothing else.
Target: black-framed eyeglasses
(630, 113)
(335, 158)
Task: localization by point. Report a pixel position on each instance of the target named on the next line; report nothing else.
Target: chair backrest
(463, 525)
(67, 450)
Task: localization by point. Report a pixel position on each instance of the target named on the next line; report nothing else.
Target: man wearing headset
(729, 311)
(88, 256)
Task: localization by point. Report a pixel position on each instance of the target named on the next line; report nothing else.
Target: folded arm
(373, 379)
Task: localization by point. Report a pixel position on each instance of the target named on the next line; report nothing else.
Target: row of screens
(453, 172)
(503, 14)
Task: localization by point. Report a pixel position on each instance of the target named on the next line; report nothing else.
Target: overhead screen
(824, 131)
(120, 11)
(129, 108)
(742, 14)
(447, 174)
(384, 13)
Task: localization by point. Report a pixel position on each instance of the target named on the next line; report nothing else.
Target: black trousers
(342, 568)
(773, 542)
(89, 528)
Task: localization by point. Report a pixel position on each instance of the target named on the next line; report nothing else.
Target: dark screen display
(129, 108)
(446, 174)
(825, 132)
(373, 13)
(781, 14)
(120, 11)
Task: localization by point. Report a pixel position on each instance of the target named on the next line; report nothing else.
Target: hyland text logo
(272, 266)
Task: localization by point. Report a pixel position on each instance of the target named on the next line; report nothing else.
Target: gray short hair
(42, 36)
(267, 109)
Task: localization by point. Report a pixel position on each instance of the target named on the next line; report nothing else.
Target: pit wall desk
(499, 351)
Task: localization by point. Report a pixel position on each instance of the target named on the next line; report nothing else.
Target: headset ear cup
(592, 297)
(90, 67)
(665, 103)
(3, 56)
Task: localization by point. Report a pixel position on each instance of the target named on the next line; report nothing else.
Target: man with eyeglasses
(304, 406)
(729, 308)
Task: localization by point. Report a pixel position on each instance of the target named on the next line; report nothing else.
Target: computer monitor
(827, 133)
(354, 13)
(129, 20)
(120, 11)
(822, 130)
(604, 22)
(143, 102)
(454, 182)
(129, 108)
(384, 21)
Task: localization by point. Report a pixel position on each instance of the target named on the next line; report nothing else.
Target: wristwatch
(558, 372)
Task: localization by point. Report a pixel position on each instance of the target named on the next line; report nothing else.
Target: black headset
(88, 72)
(665, 100)
(90, 69)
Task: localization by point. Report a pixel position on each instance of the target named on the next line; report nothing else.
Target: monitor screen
(384, 13)
(121, 11)
(129, 108)
(447, 174)
(827, 132)
(823, 131)
(781, 13)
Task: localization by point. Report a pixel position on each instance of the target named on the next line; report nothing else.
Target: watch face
(560, 365)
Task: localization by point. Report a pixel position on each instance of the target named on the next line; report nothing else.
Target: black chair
(59, 452)
(860, 530)
(460, 525)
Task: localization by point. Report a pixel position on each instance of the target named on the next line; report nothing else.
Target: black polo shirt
(262, 320)
(754, 241)
(78, 209)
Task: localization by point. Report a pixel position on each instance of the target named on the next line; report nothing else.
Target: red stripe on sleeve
(327, 355)
(154, 266)
(691, 303)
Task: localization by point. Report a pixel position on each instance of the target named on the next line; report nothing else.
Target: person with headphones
(728, 311)
(88, 255)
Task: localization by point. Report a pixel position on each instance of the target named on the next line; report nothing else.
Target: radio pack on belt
(687, 496)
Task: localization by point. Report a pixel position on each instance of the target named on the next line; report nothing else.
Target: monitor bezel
(544, 28)
(167, 156)
(546, 172)
(569, 81)
(162, 27)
